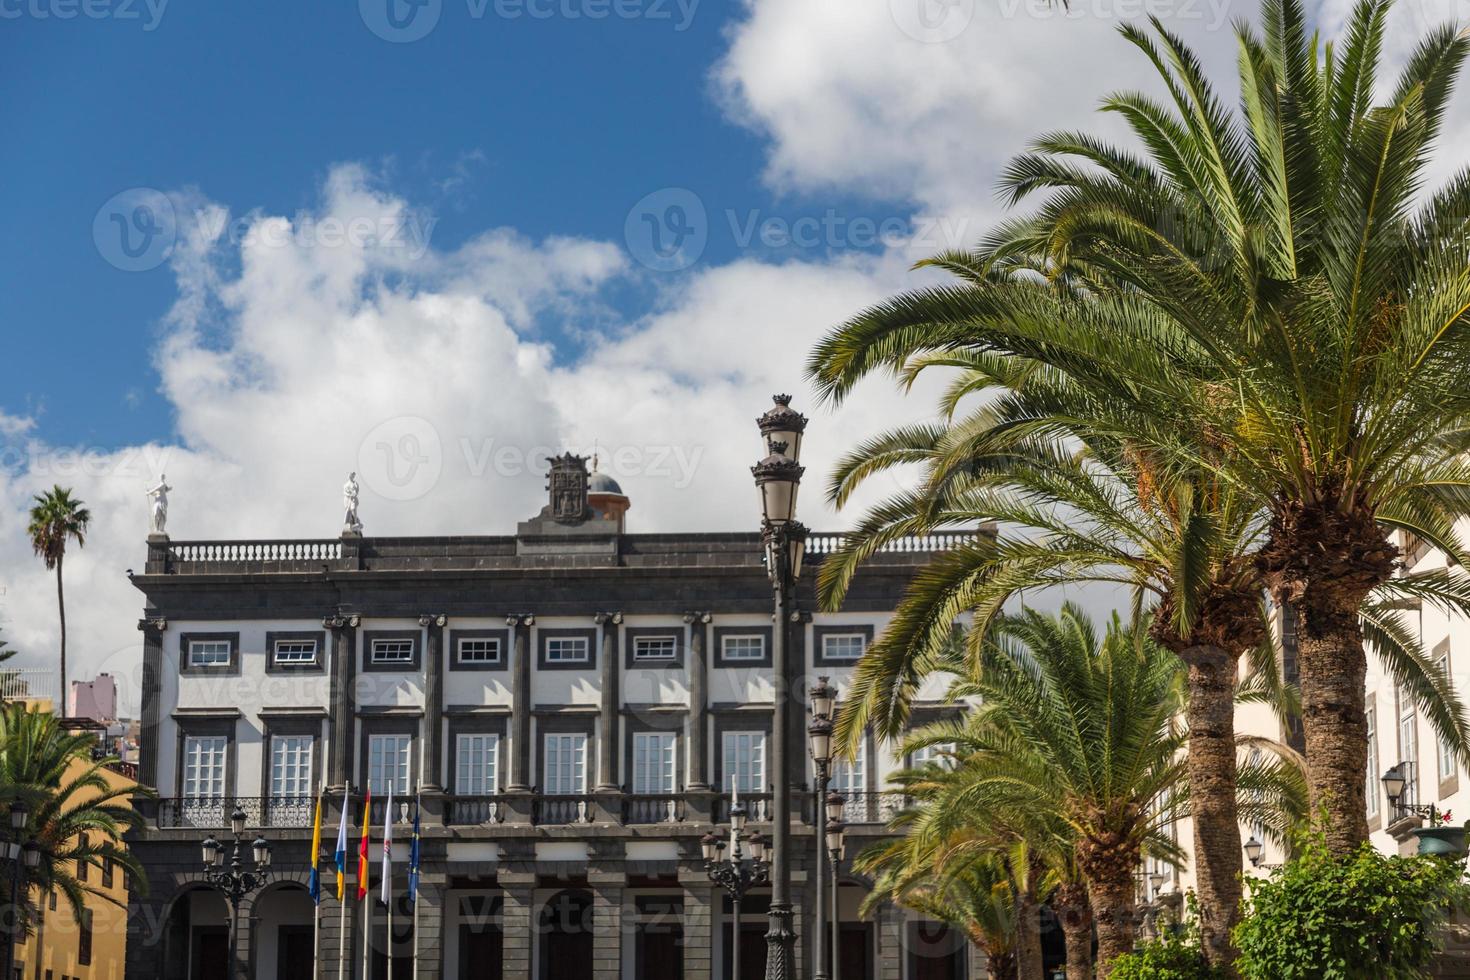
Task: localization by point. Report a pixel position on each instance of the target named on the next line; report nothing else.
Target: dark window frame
(477, 725)
(501, 663)
(412, 665)
(371, 726)
(318, 664)
(741, 720)
(587, 633)
(631, 636)
(229, 669)
(663, 723)
(273, 725)
(719, 645)
(207, 727)
(820, 633)
(580, 723)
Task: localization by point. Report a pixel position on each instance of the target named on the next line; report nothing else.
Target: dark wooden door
(481, 951)
(935, 952)
(210, 959)
(294, 953)
(854, 951)
(566, 928)
(660, 953)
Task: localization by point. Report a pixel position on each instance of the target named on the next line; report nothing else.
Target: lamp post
(21, 858)
(736, 874)
(777, 477)
(836, 835)
(235, 880)
(819, 734)
(1394, 783)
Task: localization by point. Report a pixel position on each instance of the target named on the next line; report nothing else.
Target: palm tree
(1261, 296)
(56, 518)
(77, 815)
(1082, 731)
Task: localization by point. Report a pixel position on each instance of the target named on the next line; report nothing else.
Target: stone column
(608, 748)
(433, 704)
(151, 695)
(337, 933)
(699, 904)
(607, 932)
(517, 921)
(698, 702)
(429, 928)
(890, 942)
(343, 695)
(520, 716)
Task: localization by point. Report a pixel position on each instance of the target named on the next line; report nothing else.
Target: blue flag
(315, 885)
(413, 857)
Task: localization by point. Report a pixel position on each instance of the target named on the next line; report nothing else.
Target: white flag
(388, 846)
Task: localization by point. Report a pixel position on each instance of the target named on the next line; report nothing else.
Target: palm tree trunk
(1217, 847)
(1110, 892)
(1333, 673)
(1028, 934)
(61, 709)
(1000, 964)
(1076, 916)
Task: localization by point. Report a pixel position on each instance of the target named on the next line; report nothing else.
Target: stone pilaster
(433, 704)
(698, 672)
(428, 929)
(890, 942)
(517, 918)
(343, 695)
(699, 903)
(337, 933)
(152, 681)
(607, 720)
(520, 715)
(607, 932)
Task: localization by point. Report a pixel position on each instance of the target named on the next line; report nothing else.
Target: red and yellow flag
(362, 848)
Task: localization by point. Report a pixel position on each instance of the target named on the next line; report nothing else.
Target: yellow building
(61, 948)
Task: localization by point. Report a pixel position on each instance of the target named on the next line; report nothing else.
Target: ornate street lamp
(20, 857)
(836, 836)
(778, 477)
(1253, 850)
(235, 881)
(736, 874)
(819, 733)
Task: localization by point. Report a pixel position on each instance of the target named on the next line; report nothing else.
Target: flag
(413, 857)
(341, 853)
(388, 847)
(362, 846)
(314, 884)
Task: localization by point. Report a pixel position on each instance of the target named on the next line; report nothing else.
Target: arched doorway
(565, 927)
(196, 936)
(283, 943)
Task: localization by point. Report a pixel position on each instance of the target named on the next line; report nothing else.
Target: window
(566, 649)
(1409, 746)
(653, 762)
(1446, 750)
(294, 652)
(51, 900)
(476, 762)
(204, 766)
(849, 776)
(84, 865)
(209, 653)
(291, 765)
(843, 646)
(1373, 776)
(479, 650)
(941, 754)
(107, 872)
(566, 763)
(745, 761)
(655, 648)
(388, 760)
(84, 939)
(743, 646)
(392, 651)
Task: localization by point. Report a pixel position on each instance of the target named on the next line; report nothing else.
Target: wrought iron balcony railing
(214, 812)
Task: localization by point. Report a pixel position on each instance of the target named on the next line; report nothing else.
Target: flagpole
(342, 971)
(413, 873)
(316, 905)
(367, 937)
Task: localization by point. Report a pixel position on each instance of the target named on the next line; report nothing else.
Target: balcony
(653, 809)
(28, 684)
(213, 813)
(757, 807)
(871, 808)
(474, 811)
(556, 809)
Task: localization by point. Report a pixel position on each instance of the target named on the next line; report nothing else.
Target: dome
(602, 483)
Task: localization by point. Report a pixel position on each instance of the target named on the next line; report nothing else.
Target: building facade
(573, 706)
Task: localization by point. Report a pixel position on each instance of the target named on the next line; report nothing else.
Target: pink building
(95, 699)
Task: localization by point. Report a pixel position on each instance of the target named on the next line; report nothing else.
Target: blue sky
(552, 126)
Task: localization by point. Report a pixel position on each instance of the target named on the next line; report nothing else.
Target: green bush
(1175, 956)
(1364, 916)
